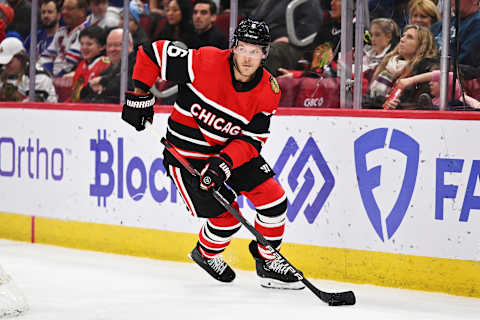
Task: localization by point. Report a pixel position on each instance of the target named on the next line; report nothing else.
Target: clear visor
(250, 50)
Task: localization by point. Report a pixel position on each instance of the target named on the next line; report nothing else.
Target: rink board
(374, 197)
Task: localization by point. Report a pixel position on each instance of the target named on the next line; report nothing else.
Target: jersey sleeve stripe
(216, 105)
(157, 57)
(163, 66)
(190, 66)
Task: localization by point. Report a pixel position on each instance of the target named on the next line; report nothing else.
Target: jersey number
(174, 52)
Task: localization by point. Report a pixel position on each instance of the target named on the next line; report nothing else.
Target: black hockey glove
(138, 109)
(216, 171)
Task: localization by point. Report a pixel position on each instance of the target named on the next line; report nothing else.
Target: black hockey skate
(274, 273)
(216, 267)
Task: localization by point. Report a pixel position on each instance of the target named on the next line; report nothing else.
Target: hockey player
(219, 122)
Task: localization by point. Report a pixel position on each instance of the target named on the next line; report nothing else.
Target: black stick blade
(341, 299)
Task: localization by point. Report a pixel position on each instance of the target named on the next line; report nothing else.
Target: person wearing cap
(136, 9)
(50, 17)
(6, 17)
(22, 18)
(14, 80)
(219, 123)
(63, 54)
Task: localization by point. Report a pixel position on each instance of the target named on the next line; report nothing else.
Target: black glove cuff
(134, 100)
(138, 109)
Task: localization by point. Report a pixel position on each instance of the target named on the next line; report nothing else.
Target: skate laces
(217, 264)
(278, 266)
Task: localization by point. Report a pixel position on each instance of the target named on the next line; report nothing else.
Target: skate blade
(276, 284)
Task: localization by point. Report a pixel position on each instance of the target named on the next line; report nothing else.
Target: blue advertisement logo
(113, 174)
(310, 150)
(471, 201)
(31, 160)
(370, 179)
(110, 174)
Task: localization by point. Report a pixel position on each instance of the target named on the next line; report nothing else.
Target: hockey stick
(332, 299)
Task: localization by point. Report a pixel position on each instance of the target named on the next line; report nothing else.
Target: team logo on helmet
(274, 85)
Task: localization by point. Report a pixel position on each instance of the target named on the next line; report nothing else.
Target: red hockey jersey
(85, 72)
(210, 115)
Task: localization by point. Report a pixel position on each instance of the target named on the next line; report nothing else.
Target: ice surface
(62, 283)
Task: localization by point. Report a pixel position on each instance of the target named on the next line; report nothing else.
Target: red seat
(310, 92)
(472, 88)
(63, 87)
(150, 29)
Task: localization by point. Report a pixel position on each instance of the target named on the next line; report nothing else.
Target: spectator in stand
(92, 47)
(14, 80)
(6, 17)
(156, 18)
(397, 10)
(179, 26)
(321, 55)
(63, 54)
(434, 81)
(423, 13)
(50, 17)
(158, 8)
(385, 35)
(106, 87)
(102, 14)
(468, 35)
(415, 53)
(283, 53)
(138, 34)
(204, 15)
(22, 18)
